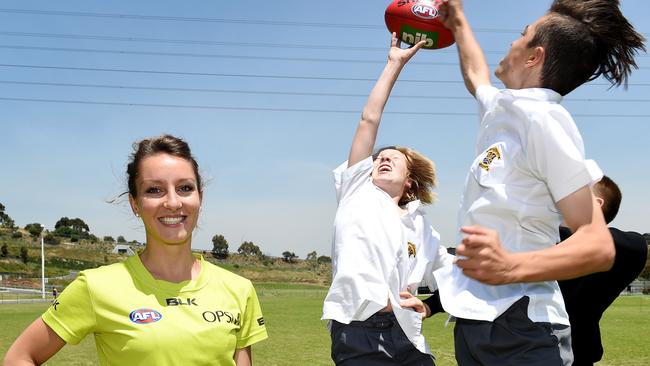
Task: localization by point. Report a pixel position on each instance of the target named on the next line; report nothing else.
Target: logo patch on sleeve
(260, 321)
(412, 249)
(490, 155)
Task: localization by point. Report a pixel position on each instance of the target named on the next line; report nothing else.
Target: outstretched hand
(402, 55)
(481, 256)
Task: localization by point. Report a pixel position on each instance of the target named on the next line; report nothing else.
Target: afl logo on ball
(145, 316)
(424, 11)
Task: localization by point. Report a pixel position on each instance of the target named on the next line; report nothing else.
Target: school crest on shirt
(412, 249)
(490, 155)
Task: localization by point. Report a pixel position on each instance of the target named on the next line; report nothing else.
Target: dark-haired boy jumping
(530, 173)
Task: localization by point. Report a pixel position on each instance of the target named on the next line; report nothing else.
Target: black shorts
(378, 340)
(512, 339)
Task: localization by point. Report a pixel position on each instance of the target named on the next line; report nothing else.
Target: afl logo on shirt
(145, 316)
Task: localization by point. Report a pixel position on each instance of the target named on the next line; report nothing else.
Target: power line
(185, 106)
(263, 109)
(207, 55)
(186, 41)
(275, 92)
(204, 42)
(220, 20)
(189, 73)
(224, 43)
(230, 91)
(291, 77)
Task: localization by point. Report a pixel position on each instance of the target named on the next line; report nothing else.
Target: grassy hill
(65, 257)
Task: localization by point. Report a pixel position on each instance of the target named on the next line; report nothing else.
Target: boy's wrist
(427, 310)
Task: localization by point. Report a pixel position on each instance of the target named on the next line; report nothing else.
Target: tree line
(220, 250)
(75, 229)
(72, 229)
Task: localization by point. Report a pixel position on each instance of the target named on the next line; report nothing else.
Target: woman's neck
(170, 263)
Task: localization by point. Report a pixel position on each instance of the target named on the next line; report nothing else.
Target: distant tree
(312, 256)
(93, 238)
(109, 239)
(324, 259)
(4, 250)
(219, 247)
(120, 239)
(249, 249)
(79, 225)
(49, 238)
(23, 254)
(68, 227)
(63, 222)
(16, 235)
(34, 229)
(289, 256)
(5, 220)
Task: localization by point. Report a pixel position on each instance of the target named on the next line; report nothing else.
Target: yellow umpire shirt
(138, 320)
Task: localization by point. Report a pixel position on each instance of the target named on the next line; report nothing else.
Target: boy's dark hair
(611, 195)
(584, 39)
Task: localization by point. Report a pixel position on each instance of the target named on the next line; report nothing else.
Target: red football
(416, 20)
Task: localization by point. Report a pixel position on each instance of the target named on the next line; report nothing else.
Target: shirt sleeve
(253, 328)
(72, 315)
(485, 96)
(347, 180)
(557, 158)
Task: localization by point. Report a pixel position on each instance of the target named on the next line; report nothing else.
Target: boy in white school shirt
(382, 244)
(529, 173)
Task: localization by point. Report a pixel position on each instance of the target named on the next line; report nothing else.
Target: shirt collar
(412, 207)
(542, 94)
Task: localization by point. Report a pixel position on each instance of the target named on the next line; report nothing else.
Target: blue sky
(268, 94)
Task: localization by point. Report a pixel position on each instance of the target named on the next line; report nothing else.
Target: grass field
(298, 337)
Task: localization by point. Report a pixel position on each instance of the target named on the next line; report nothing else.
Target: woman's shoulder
(106, 272)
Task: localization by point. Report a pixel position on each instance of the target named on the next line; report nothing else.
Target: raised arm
(473, 65)
(366, 134)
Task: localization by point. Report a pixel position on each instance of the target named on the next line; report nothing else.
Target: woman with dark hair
(164, 306)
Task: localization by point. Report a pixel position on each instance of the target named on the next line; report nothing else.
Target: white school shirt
(370, 259)
(530, 156)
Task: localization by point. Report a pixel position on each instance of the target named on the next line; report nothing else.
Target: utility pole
(42, 266)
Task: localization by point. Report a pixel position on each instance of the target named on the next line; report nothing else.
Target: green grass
(625, 327)
(298, 337)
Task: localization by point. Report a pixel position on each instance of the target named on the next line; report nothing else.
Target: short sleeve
(486, 96)
(348, 180)
(253, 328)
(556, 156)
(72, 315)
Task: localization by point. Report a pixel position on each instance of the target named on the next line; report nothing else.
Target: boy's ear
(536, 56)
